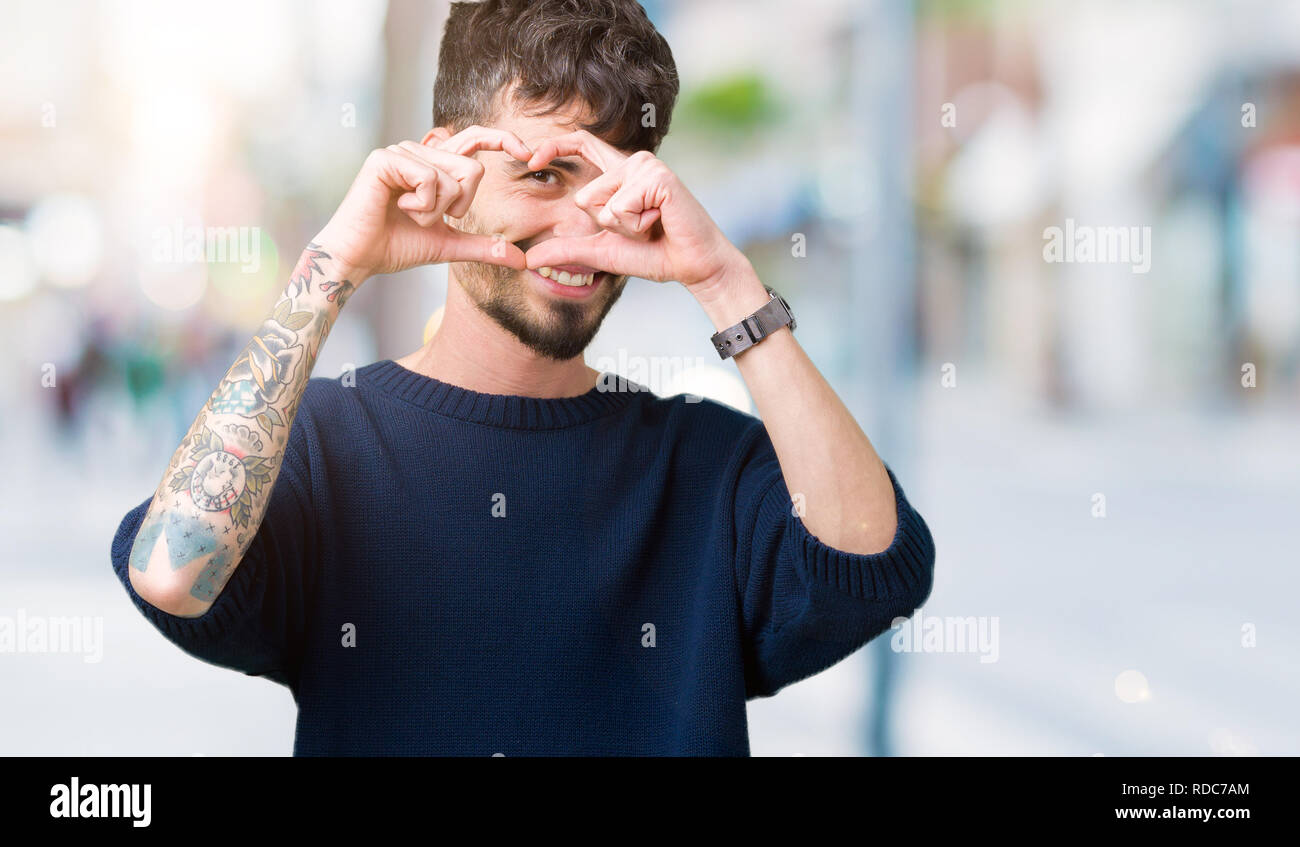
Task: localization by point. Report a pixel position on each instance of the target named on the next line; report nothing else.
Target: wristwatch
(753, 329)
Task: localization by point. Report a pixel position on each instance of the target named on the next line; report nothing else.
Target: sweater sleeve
(806, 605)
(256, 624)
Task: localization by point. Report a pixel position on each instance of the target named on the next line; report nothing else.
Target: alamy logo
(1099, 244)
(40, 634)
(931, 634)
(92, 800)
(180, 244)
(659, 374)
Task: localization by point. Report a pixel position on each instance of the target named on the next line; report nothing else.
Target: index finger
(599, 152)
(475, 138)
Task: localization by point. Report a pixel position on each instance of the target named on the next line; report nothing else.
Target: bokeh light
(67, 239)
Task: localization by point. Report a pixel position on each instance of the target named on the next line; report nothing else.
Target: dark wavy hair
(544, 54)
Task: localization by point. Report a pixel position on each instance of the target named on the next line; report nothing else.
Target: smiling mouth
(573, 280)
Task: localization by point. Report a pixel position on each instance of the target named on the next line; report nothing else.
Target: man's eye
(543, 177)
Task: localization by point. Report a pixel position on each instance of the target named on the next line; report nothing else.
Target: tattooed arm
(215, 492)
(214, 495)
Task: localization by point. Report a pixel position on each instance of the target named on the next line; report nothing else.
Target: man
(476, 548)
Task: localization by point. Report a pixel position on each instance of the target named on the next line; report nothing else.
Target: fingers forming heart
(458, 175)
(582, 143)
(624, 201)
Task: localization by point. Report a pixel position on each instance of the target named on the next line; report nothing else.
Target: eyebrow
(569, 164)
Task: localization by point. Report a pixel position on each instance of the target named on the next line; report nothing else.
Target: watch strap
(768, 319)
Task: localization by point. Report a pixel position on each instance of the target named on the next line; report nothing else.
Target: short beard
(562, 333)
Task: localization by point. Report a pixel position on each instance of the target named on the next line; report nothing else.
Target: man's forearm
(215, 492)
(824, 454)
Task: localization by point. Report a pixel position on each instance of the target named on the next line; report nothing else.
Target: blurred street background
(1105, 447)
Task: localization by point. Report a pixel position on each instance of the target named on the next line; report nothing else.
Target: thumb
(458, 246)
(604, 251)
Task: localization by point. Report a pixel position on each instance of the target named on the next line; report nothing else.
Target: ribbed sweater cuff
(896, 572)
(234, 603)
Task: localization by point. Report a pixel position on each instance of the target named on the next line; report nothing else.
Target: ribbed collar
(510, 411)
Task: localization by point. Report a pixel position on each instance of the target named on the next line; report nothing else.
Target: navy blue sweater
(615, 573)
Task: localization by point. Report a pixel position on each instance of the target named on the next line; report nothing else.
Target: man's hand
(392, 216)
(651, 225)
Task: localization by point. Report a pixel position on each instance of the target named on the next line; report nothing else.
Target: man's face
(526, 208)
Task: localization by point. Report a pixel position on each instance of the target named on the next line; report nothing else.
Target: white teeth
(565, 278)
